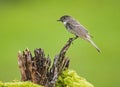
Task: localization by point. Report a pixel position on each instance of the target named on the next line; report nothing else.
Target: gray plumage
(74, 27)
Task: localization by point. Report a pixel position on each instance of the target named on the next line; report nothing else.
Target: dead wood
(38, 69)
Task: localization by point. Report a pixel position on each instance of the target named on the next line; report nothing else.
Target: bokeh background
(32, 24)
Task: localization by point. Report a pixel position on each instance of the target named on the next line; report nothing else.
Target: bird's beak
(59, 20)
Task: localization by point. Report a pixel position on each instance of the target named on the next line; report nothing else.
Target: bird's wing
(78, 29)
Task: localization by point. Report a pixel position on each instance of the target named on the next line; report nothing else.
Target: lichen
(69, 78)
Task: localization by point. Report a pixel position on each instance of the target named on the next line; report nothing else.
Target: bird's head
(64, 18)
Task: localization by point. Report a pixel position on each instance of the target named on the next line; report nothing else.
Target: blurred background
(33, 24)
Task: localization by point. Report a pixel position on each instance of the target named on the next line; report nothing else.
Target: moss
(69, 78)
(18, 84)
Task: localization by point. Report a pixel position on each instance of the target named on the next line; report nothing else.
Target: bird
(76, 28)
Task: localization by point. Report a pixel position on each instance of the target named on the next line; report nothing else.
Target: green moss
(69, 78)
(18, 84)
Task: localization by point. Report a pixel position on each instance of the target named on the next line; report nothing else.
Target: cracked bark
(37, 68)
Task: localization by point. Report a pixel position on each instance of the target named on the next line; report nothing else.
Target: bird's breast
(69, 28)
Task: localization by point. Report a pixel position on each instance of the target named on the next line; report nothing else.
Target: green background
(32, 24)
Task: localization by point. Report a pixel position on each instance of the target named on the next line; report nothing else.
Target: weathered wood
(37, 69)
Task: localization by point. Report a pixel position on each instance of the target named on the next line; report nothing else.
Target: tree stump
(37, 68)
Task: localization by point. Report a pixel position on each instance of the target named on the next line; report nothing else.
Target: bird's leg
(73, 38)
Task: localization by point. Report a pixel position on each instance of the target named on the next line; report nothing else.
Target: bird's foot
(72, 39)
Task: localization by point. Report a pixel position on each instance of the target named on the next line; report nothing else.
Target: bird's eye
(64, 18)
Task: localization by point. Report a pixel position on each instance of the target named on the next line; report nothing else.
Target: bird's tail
(89, 40)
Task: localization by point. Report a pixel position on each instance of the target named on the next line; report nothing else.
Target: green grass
(33, 25)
